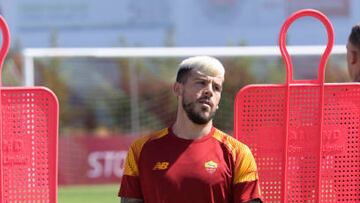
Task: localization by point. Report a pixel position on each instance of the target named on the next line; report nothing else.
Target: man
(191, 161)
(353, 53)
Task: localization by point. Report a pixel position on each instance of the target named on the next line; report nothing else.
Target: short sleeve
(130, 182)
(246, 183)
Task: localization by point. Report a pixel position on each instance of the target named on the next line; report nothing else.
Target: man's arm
(130, 200)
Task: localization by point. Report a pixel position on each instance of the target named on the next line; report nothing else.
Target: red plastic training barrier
(28, 141)
(305, 133)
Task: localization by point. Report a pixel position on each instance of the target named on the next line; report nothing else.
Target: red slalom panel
(304, 134)
(29, 137)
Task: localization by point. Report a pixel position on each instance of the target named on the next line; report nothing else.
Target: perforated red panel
(303, 143)
(304, 133)
(260, 122)
(28, 139)
(29, 145)
(341, 142)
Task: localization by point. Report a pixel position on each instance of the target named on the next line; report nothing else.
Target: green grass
(88, 194)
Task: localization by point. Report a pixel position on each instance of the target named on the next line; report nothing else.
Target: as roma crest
(211, 167)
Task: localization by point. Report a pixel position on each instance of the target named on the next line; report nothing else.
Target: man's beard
(196, 117)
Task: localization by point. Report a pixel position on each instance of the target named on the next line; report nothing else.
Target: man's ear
(354, 58)
(177, 88)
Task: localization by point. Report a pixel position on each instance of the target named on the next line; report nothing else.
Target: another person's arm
(132, 200)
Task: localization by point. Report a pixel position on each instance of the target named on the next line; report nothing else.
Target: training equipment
(305, 133)
(28, 141)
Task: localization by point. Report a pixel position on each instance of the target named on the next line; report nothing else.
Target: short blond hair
(205, 64)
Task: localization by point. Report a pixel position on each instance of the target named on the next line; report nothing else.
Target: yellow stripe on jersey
(245, 166)
(131, 163)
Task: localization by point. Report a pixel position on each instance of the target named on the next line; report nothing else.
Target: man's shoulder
(139, 142)
(230, 142)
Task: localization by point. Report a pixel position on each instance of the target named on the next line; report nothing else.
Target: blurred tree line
(105, 104)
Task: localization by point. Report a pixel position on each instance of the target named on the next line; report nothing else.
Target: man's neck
(191, 131)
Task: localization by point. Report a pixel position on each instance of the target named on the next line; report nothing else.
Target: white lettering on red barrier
(104, 164)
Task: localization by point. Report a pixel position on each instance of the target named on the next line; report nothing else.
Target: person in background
(191, 161)
(353, 53)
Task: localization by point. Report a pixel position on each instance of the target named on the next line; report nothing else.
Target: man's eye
(218, 88)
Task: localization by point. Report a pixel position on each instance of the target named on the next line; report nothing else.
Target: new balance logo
(161, 165)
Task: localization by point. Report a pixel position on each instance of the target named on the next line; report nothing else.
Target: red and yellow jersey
(163, 168)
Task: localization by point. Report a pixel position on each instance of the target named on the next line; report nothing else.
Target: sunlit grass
(88, 194)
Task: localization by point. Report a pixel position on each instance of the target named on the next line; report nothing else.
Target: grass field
(88, 194)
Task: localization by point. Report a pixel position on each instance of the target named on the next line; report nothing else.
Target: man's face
(201, 96)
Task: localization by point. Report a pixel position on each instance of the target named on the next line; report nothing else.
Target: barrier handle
(282, 43)
(5, 43)
(319, 81)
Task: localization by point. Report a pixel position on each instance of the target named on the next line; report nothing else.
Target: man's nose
(208, 91)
